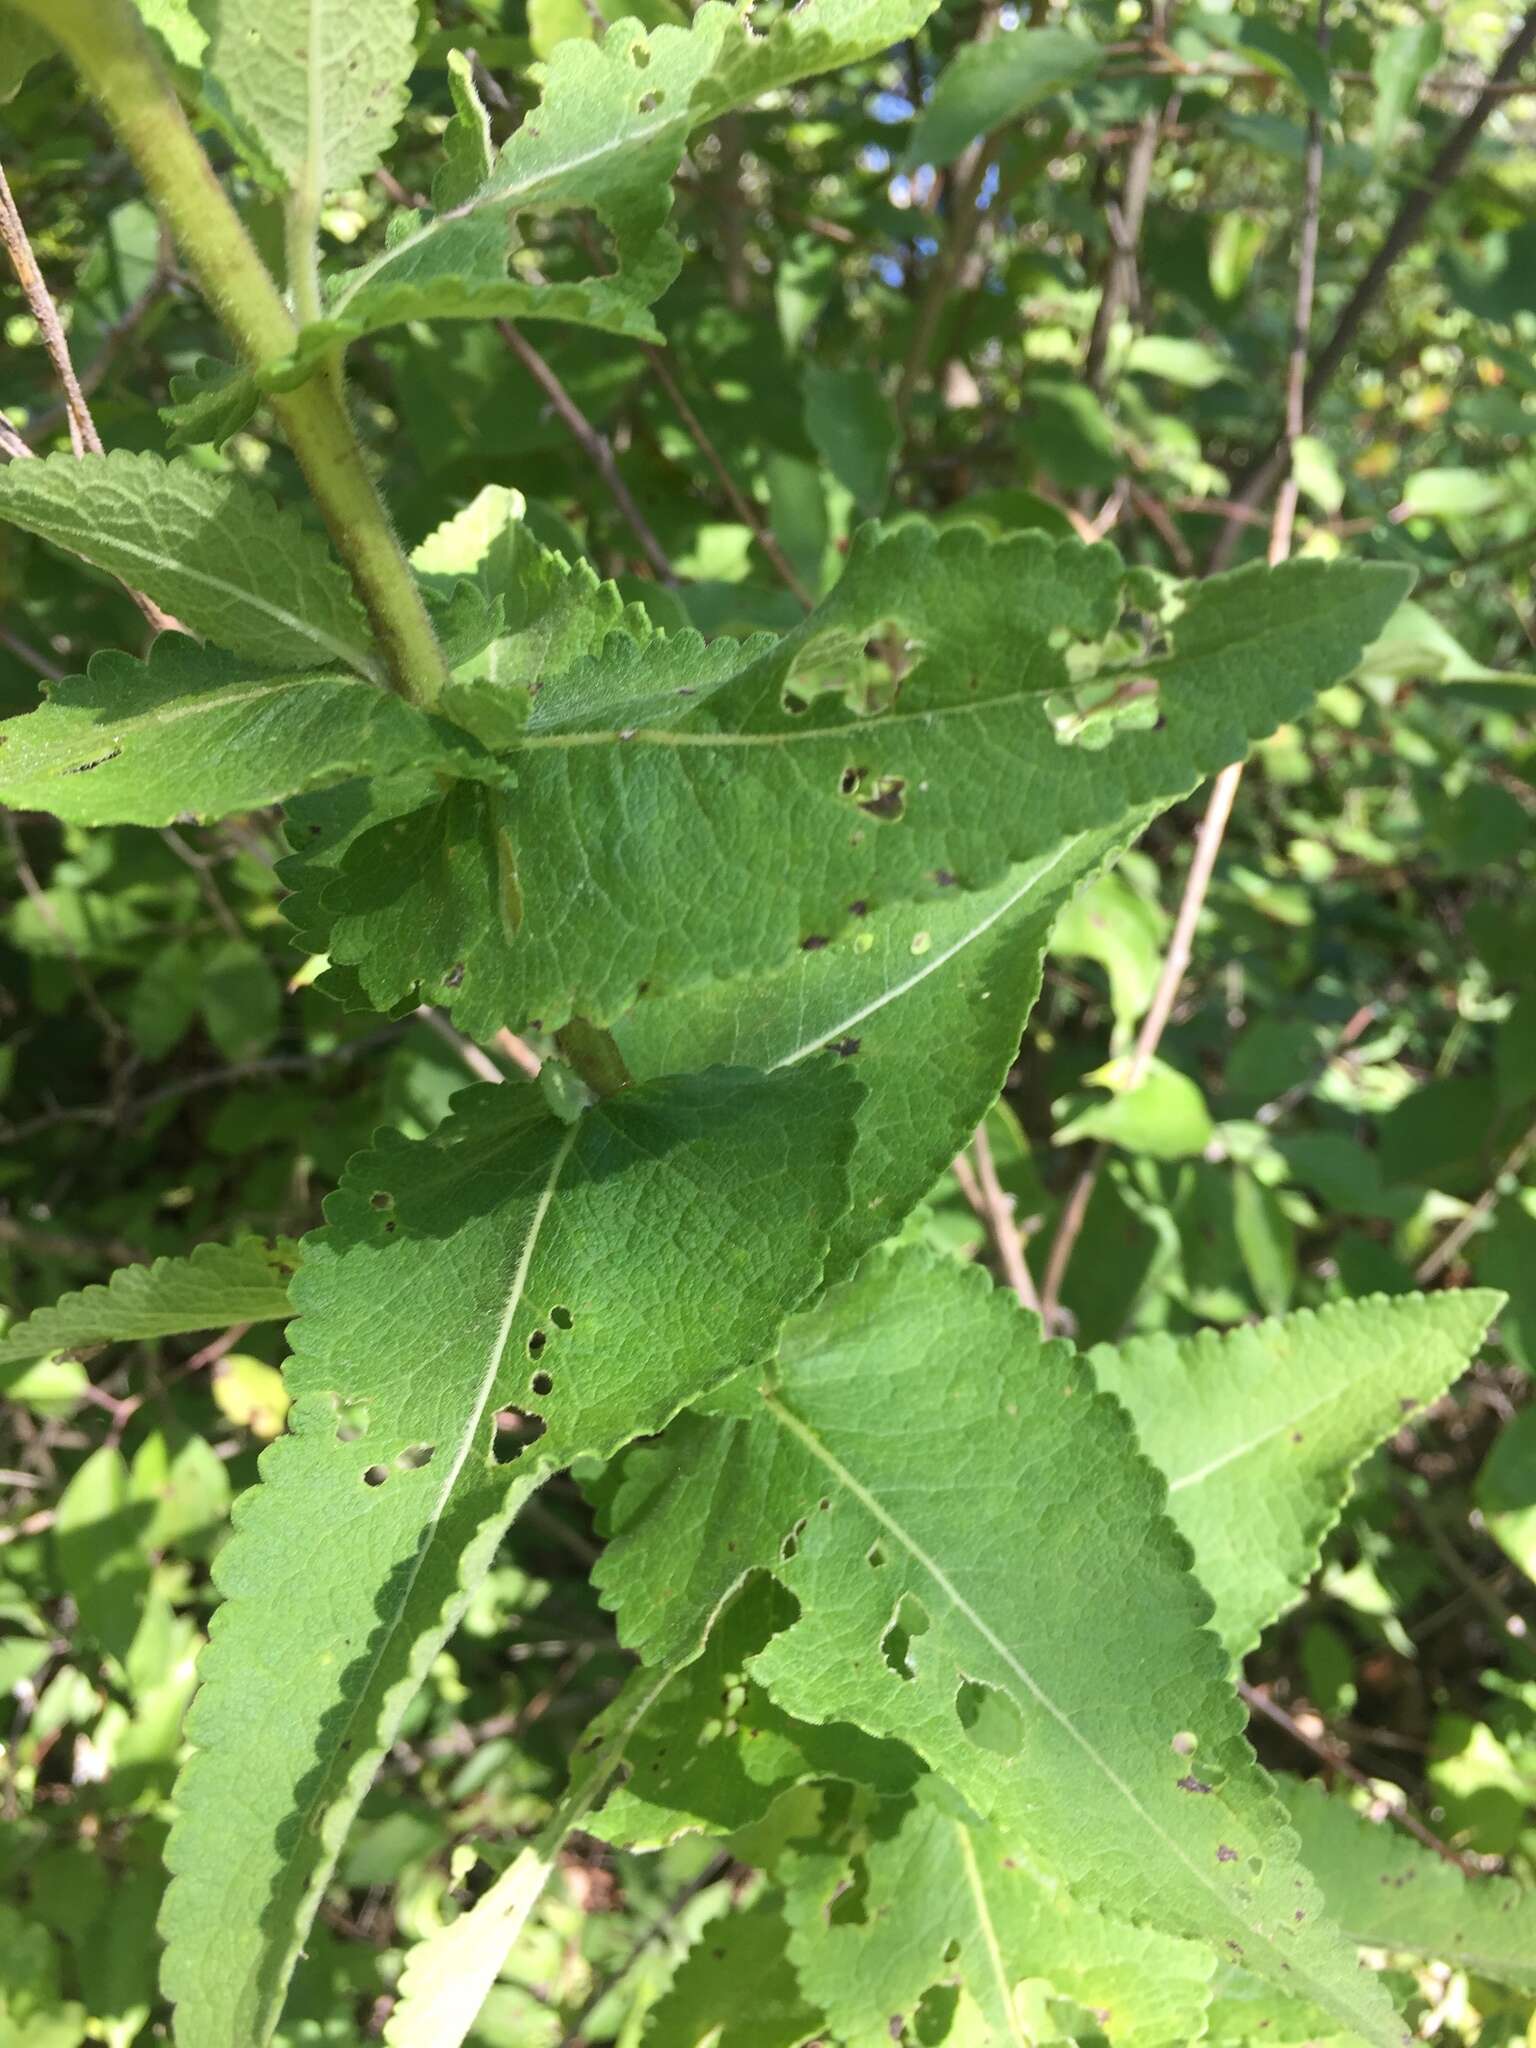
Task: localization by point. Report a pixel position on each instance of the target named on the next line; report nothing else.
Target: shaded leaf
(230, 562)
(191, 732)
(985, 84)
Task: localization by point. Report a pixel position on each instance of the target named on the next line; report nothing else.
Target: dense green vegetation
(767, 791)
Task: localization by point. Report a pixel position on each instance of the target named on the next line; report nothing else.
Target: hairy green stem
(107, 43)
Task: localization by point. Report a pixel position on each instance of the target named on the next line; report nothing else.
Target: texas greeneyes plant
(781, 903)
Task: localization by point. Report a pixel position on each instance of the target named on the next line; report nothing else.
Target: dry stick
(83, 437)
(12, 442)
(479, 1063)
(1218, 810)
(1122, 284)
(594, 444)
(1481, 1209)
(1404, 231)
(121, 330)
(520, 1052)
(1261, 1702)
(25, 651)
(741, 504)
(995, 1207)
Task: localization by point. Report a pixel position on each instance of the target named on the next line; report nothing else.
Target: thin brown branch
(1403, 233)
(25, 651)
(12, 443)
(479, 1063)
(519, 1052)
(123, 1115)
(594, 445)
(83, 437)
(1511, 1628)
(1122, 282)
(1334, 1757)
(741, 504)
(1213, 825)
(994, 1207)
(114, 337)
(1445, 1251)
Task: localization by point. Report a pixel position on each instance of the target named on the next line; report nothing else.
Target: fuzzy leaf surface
(318, 85)
(985, 1572)
(233, 565)
(215, 1285)
(193, 731)
(1259, 1430)
(946, 1898)
(607, 137)
(713, 779)
(595, 1275)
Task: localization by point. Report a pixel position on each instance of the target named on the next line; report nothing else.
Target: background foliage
(1042, 261)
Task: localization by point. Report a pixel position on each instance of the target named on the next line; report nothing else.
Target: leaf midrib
(872, 1506)
(341, 1751)
(200, 706)
(994, 1950)
(355, 657)
(1036, 876)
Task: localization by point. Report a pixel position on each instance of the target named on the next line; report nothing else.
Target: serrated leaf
(594, 1275)
(317, 85)
(945, 1899)
(194, 732)
(927, 1002)
(607, 136)
(719, 764)
(216, 1285)
(985, 84)
(446, 1978)
(1012, 1603)
(552, 611)
(1259, 1431)
(227, 560)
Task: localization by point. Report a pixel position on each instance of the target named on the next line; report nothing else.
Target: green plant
(939, 1614)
